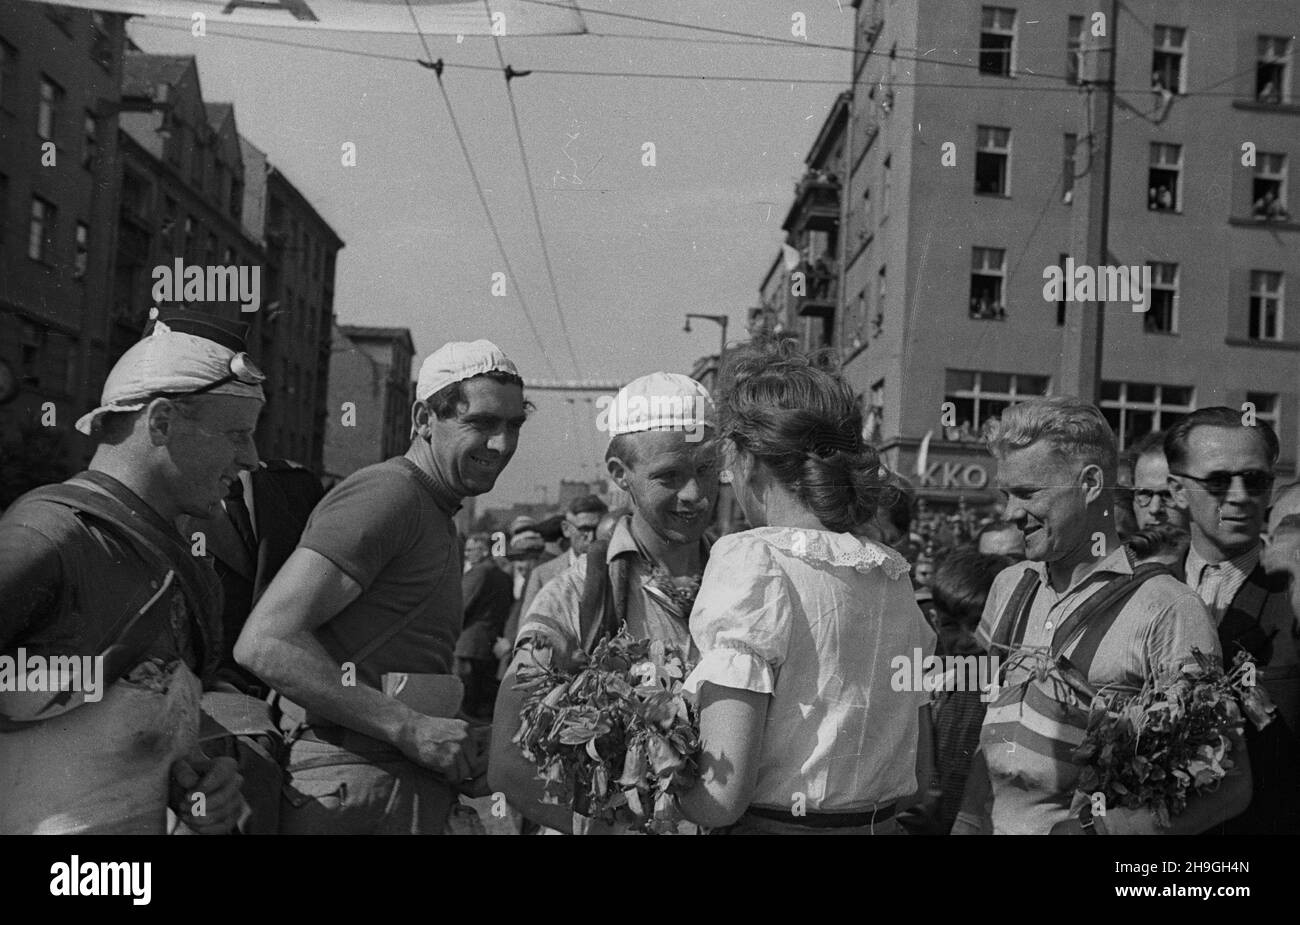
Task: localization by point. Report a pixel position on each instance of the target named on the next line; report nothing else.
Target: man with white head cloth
(95, 575)
(663, 454)
(357, 630)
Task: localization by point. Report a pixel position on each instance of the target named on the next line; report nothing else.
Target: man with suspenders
(1080, 596)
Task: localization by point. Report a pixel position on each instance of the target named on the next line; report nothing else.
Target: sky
(633, 247)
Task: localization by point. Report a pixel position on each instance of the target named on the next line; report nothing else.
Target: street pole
(1081, 351)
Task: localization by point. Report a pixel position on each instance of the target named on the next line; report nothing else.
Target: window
(997, 38)
(83, 251)
(90, 139)
(878, 322)
(1273, 69)
(1135, 409)
(874, 419)
(236, 198)
(884, 192)
(1068, 169)
(1061, 304)
(1167, 71)
(987, 277)
(1268, 193)
(1266, 305)
(101, 46)
(210, 254)
(1162, 314)
(40, 231)
(1266, 408)
(198, 161)
(188, 252)
(1073, 46)
(8, 59)
(1163, 192)
(992, 150)
(33, 339)
(227, 257)
(978, 396)
(47, 110)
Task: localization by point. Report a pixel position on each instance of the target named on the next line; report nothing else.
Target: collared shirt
(1217, 584)
(1157, 628)
(553, 613)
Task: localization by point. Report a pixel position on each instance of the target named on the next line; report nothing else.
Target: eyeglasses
(587, 531)
(1143, 497)
(242, 369)
(1255, 481)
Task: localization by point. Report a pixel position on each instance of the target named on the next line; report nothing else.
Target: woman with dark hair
(798, 621)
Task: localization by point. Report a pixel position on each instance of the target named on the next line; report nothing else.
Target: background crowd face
(476, 551)
(1151, 473)
(673, 482)
(580, 529)
(1047, 500)
(1233, 521)
(208, 449)
(471, 450)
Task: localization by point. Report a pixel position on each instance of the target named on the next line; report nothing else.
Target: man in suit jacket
(250, 537)
(1221, 473)
(579, 529)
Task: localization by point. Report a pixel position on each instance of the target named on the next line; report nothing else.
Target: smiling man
(1057, 468)
(662, 454)
(96, 566)
(1221, 473)
(374, 589)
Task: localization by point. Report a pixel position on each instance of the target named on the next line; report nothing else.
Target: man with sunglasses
(579, 528)
(1221, 473)
(95, 567)
(1153, 502)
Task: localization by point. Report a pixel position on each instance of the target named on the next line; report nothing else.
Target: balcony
(821, 294)
(816, 204)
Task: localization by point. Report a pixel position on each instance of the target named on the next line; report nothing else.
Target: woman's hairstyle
(1073, 428)
(795, 413)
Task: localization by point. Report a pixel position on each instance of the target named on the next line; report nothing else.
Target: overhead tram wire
(733, 78)
(436, 67)
(532, 196)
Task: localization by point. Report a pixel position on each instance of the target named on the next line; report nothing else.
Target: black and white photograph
(650, 417)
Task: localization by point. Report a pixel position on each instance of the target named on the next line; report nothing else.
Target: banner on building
(434, 17)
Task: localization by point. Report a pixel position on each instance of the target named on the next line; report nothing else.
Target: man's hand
(205, 793)
(444, 746)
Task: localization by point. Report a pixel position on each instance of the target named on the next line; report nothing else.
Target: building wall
(353, 377)
(935, 218)
(53, 315)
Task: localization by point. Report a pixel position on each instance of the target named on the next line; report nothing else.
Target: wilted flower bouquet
(616, 736)
(1170, 740)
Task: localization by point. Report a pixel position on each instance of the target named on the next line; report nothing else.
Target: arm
(924, 761)
(731, 737)
(972, 818)
(279, 645)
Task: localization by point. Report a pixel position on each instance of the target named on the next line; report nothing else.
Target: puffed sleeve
(741, 619)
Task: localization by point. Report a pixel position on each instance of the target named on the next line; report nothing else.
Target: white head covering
(166, 361)
(660, 401)
(460, 360)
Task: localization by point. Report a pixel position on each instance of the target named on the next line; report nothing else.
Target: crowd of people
(275, 661)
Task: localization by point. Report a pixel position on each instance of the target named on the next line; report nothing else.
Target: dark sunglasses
(1255, 481)
(1144, 496)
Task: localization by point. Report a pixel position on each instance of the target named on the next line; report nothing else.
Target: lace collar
(834, 548)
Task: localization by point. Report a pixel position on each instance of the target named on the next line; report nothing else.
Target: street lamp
(716, 319)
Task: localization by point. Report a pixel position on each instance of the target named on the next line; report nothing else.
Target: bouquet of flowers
(616, 736)
(1170, 740)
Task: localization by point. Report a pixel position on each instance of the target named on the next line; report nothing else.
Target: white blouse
(815, 619)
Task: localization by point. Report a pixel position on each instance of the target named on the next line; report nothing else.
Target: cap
(457, 361)
(522, 522)
(660, 401)
(172, 361)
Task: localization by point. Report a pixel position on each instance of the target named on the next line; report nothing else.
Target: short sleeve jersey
(388, 527)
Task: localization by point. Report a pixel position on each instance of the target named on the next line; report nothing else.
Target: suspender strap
(1095, 616)
(596, 597)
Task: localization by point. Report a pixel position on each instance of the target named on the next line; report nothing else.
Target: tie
(237, 511)
(1211, 583)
